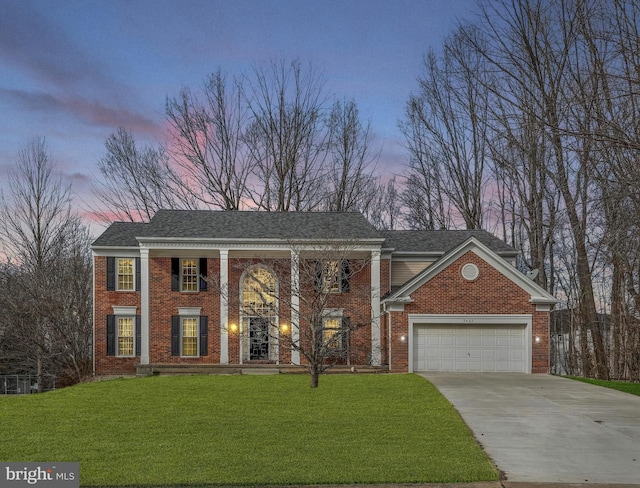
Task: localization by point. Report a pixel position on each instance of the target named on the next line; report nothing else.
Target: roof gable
(438, 242)
(537, 294)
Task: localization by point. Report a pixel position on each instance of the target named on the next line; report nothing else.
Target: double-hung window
(331, 279)
(189, 333)
(333, 276)
(189, 336)
(188, 274)
(123, 332)
(126, 336)
(126, 274)
(335, 329)
(123, 274)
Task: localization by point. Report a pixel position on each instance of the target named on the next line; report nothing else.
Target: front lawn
(255, 430)
(633, 388)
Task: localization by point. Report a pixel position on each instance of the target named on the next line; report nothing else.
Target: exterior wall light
(284, 328)
(537, 339)
(233, 328)
(403, 338)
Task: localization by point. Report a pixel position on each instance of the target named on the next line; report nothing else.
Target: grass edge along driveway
(625, 386)
(246, 430)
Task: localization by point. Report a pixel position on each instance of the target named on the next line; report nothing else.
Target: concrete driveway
(540, 428)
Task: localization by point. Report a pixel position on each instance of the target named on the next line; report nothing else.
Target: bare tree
(286, 138)
(136, 182)
(207, 142)
(451, 111)
(47, 295)
(328, 321)
(350, 181)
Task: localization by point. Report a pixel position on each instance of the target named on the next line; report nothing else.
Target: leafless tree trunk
(452, 112)
(47, 292)
(207, 143)
(136, 182)
(286, 139)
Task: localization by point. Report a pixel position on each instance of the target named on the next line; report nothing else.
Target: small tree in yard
(326, 309)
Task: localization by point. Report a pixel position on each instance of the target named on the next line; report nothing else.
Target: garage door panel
(463, 347)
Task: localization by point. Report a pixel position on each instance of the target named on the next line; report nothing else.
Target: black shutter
(111, 273)
(138, 334)
(346, 333)
(111, 335)
(138, 274)
(204, 335)
(175, 274)
(175, 335)
(317, 284)
(203, 274)
(345, 276)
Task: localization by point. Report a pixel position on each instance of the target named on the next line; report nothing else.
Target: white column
(224, 306)
(376, 353)
(295, 304)
(144, 306)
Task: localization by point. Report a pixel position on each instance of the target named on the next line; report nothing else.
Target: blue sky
(73, 71)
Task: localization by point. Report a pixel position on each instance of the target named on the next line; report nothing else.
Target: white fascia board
(539, 294)
(177, 243)
(116, 251)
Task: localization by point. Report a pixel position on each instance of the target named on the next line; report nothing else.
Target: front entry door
(259, 338)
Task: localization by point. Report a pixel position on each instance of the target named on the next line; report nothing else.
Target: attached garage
(470, 343)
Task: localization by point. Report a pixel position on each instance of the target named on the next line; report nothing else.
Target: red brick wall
(104, 301)
(449, 293)
(164, 303)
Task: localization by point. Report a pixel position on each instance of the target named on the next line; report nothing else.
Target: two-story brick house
(180, 290)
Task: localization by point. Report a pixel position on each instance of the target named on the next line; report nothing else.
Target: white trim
(224, 306)
(191, 311)
(117, 273)
(537, 293)
(144, 306)
(473, 319)
(117, 252)
(120, 310)
(376, 353)
(294, 330)
(244, 335)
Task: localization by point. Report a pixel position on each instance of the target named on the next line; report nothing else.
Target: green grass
(633, 388)
(250, 430)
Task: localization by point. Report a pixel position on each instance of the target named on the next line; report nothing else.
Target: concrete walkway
(547, 429)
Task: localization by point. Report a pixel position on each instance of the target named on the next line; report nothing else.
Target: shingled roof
(440, 241)
(199, 224)
(249, 225)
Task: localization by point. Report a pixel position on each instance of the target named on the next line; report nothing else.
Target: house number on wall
(468, 321)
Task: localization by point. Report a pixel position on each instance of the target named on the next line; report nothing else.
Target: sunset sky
(73, 71)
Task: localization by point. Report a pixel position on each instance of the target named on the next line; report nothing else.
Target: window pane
(331, 331)
(125, 274)
(189, 275)
(125, 336)
(331, 277)
(190, 337)
(259, 293)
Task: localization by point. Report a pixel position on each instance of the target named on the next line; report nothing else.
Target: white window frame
(118, 336)
(124, 312)
(182, 260)
(329, 275)
(197, 336)
(133, 278)
(190, 313)
(333, 314)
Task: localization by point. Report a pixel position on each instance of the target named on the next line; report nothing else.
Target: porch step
(248, 369)
(260, 371)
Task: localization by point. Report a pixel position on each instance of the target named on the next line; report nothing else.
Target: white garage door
(499, 348)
